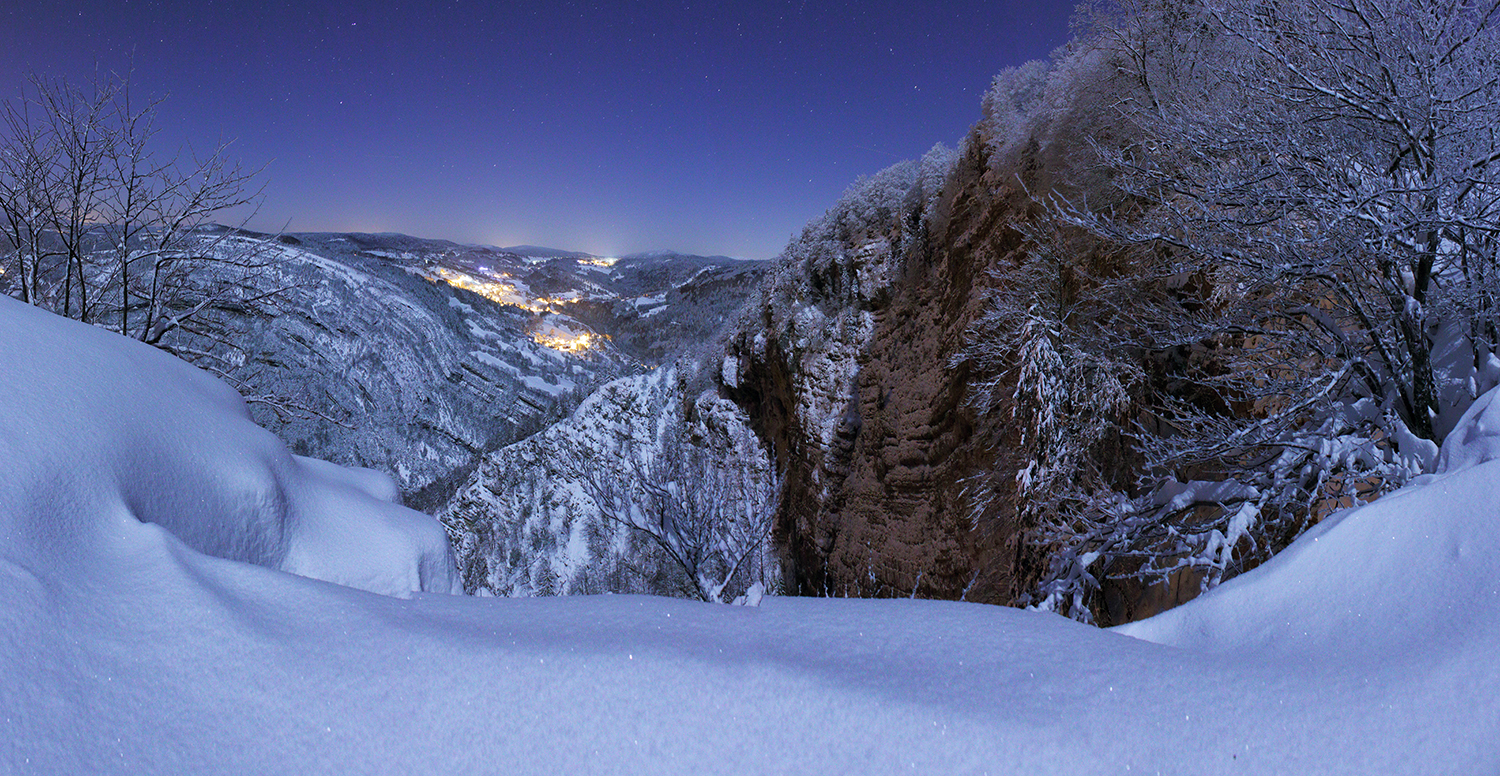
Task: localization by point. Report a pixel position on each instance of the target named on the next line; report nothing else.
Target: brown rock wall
(881, 510)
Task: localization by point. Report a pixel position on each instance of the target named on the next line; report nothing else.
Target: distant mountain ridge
(671, 254)
(540, 252)
(543, 252)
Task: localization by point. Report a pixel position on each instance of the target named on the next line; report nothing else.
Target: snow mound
(102, 435)
(1476, 438)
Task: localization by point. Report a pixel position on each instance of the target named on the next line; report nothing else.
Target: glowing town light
(495, 291)
(574, 344)
(499, 292)
(564, 335)
(561, 336)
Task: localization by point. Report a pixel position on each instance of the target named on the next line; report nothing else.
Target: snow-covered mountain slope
(528, 521)
(669, 302)
(407, 374)
(1368, 647)
(417, 356)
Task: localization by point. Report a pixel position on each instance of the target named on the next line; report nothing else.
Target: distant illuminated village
(556, 332)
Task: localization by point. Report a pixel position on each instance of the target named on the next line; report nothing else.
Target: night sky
(605, 127)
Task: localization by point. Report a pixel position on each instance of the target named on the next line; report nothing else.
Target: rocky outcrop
(850, 366)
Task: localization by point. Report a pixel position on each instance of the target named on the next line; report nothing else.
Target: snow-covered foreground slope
(1370, 647)
(1414, 576)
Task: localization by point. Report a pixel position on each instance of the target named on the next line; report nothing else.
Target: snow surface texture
(1368, 647)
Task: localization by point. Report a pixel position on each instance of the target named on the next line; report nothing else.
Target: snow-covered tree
(1010, 107)
(1335, 179)
(98, 226)
(704, 504)
(1048, 366)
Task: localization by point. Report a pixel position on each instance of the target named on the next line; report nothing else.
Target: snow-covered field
(179, 645)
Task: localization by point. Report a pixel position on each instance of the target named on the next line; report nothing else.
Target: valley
(417, 357)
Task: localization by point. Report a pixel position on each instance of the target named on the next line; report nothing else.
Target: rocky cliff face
(849, 364)
(857, 362)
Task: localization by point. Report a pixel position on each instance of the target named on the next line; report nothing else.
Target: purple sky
(706, 127)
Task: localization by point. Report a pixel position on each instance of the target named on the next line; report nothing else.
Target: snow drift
(102, 435)
(138, 635)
